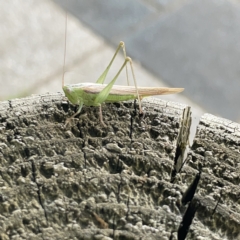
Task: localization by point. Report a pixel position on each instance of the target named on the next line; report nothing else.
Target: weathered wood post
(125, 181)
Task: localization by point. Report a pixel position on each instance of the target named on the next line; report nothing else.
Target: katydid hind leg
(135, 83)
(125, 56)
(102, 96)
(133, 75)
(102, 78)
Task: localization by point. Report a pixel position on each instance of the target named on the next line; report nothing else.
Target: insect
(94, 94)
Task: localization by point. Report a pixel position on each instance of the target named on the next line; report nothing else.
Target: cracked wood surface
(122, 181)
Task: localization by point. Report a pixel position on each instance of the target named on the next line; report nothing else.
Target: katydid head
(71, 94)
(67, 91)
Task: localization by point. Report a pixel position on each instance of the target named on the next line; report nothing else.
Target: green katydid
(94, 94)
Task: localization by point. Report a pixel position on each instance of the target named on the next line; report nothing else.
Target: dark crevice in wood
(189, 193)
(187, 220)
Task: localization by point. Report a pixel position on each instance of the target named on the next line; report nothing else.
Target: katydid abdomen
(87, 93)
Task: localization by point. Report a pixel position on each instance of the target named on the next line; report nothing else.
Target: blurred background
(194, 44)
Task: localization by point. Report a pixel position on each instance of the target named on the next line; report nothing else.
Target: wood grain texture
(125, 181)
(216, 154)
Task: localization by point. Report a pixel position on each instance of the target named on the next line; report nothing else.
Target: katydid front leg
(74, 115)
